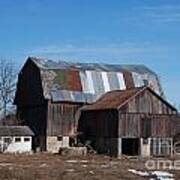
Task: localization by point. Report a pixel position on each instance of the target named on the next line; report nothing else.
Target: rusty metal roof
(118, 98)
(113, 99)
(85, 82)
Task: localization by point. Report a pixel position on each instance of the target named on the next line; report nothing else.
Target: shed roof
(118, 98)
(15, 131)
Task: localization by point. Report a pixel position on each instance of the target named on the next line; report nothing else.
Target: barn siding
(130, 125)
(62, 119)
(146, 102)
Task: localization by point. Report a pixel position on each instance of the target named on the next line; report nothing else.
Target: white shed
(15, 139)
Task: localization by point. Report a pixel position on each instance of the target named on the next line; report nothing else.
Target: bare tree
(7, 85)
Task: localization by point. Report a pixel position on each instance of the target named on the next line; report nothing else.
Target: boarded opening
(130, 146)
(146, 127)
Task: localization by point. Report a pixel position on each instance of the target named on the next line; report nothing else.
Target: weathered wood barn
(133, 122)
(50, 95)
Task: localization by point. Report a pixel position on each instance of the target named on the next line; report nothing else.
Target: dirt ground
(55, 167)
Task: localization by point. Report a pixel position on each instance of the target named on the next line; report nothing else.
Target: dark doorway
(130, 146)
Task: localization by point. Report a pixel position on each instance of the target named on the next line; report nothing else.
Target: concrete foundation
(119, 144)
(145, 150)
(54, 143)
(73, 151)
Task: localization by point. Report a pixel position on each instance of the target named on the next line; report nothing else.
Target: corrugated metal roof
(72, 96)
(15, 131)
(113, 99)
(93, 80)
(49, 64)
(118, 98)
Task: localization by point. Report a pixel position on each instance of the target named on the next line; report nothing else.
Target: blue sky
(109, 31)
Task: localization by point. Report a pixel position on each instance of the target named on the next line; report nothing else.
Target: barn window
(7, 140)
(17, 139)
(26, 139)
(161, 146)
(146, 127)
(59, 138)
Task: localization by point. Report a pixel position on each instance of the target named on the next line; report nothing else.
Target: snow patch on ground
(140, 173)
(72, 161)
(160, 175)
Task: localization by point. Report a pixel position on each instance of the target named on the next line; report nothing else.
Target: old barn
(50, 96)
(132, 122)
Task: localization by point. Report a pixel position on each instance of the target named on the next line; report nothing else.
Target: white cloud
(114, 50)
(157, 14)
(126, 52)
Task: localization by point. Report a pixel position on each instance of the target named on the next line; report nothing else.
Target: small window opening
(26, 139)
(17, 139)
(72, 142)
(7, 140)
(59, 138)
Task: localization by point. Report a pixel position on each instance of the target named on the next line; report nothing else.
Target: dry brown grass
(54, 167)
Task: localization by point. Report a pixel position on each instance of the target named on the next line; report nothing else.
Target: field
(55, 167)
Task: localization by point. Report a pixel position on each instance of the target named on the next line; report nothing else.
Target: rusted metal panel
(74, 81)
(128, 80)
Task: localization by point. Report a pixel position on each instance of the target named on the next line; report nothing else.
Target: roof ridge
(131, 97)
(51, 64)
(120, 90)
